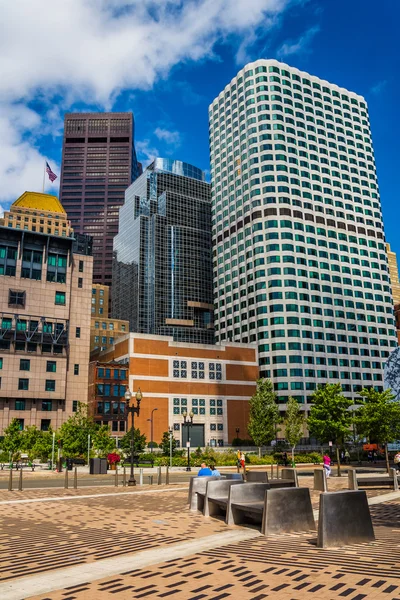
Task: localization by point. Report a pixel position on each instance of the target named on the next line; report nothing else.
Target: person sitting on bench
(204, 471)
(215, 471)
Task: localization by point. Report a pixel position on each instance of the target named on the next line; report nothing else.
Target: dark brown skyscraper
(98, 164)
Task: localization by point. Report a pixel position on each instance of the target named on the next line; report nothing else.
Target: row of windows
(107, 389)
(116, 373)
(215, 407)
(111, 408)
(49, 386)
(320, 360)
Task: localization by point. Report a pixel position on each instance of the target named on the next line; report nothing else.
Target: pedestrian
(238, 454)
(347, 457)
(370, 456)
(327, 464)
(204, 471)
(242, 460)
(342, 456)
(215, 471)
(397, 461)
(374, 456)
(285, 459)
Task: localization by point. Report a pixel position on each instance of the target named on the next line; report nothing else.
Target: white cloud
(145, 152)
(169, 137)
(90, 50)
(299, 46)
(378, 87)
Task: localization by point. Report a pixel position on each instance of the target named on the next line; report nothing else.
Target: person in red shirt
(327, 464)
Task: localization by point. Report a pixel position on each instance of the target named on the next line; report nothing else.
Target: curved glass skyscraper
(299, 248)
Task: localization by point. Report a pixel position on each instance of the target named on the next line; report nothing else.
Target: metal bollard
(76, 478)
(124, 478)
(66, 479)
(150, 479)
(20, 481)
(10, 487)
(277, 471)
(167, 476)
(116, 476)
(272, 471)
(140, 476)
(159, 481)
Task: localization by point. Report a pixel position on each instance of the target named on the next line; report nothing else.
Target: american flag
(52, 176)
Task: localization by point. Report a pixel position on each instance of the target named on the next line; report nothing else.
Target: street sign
(187, 444)
(331, 444)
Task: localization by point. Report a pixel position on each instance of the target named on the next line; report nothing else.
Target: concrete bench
(344, 519)
(287, 511)
(215, 496)
(291, 475)
(257, 476)
(376, 481)
(196, 485)
(246, 501)
(320, 480)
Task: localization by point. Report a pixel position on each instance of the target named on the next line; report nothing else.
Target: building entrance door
(196, 435)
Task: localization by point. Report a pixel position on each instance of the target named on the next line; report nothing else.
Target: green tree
(75, 431)
(264, 414)
(165, 444)
(378, 418)
(103, 441)
(37, 443)
(139, 441)
(330, 417)
(294, 421)
(12, 442)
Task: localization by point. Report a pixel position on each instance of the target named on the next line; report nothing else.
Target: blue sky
(166, 60)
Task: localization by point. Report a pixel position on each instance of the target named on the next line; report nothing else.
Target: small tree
(103, 442)
(378, 418)
(294, 421)
(165, 444)
(330, 418)
(139, 441)
(12, 442)
(75, 431)
(37, 443)
(264, 414)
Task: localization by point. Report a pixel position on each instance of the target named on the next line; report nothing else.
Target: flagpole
(44, 174)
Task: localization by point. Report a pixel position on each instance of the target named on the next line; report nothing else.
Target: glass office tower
(162, 270)
(299, 247)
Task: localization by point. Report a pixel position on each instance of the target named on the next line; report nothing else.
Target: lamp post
(170, 431)
(237, 432)
(133, 410)
(188, 422)
(151, 429)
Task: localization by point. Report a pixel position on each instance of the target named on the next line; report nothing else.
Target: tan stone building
(103, 331)
(214, 382)
(51, 218)
(45, 295)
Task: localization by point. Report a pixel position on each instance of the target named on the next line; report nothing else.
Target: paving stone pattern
(288, 567)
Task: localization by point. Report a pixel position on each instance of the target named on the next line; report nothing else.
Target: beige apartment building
(394, 279)
(103, 331)
(45, 297)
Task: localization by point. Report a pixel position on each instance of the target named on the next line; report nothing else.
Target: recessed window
(76, 369)
(80, 282)
(47, 405)
(24, 364)
(50, 385)
(81, 266)
(51, 366)
(74, 405)
(23, 384)
(20, 404)
(60, 298)
(16, 298)
(78, 332)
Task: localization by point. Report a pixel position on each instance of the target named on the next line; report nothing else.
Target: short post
(167, 476)
(141, 476)
(159, 476)
(116, 475)
(150, 479)
(395, 480)
(272, 471)
(277, 471)
(76, 478)
(124, 478)
(10, 485)
(20, 481)
(66, 479)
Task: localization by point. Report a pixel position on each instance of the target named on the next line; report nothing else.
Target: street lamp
(237, 432)
(170, 431)
(151, 429)
(188, 422)
(133, 410)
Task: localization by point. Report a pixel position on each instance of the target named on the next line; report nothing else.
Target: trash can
(70, 464)
(98, 466)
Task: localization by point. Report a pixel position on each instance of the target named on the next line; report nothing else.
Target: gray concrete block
(257, 476)
(291, 474)
(216, 492)
(245, 500)
(344, 519)
(197, 484)
(287, 510)
(320, 480)
(352, 479)
(233, 476)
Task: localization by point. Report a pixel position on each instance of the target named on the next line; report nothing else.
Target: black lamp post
(132, 410)
(151, 429)
(237, 432)
(188, 422)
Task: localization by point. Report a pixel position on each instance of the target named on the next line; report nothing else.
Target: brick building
(214, 382)
(103, 331)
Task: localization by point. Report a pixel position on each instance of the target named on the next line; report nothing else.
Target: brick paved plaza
(104, 543)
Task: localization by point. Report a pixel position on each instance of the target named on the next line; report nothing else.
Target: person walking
(347, 457)
(285, 459)
(327, 464)
(397, 461)
(242, 460)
